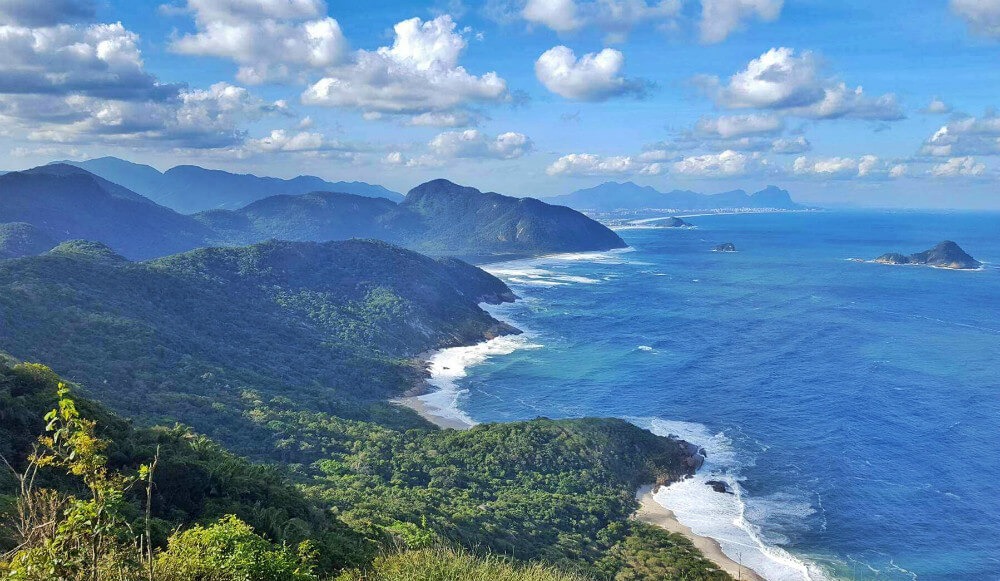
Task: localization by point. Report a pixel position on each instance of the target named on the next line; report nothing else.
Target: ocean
(853, 407)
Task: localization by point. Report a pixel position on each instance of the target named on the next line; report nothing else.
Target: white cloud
(592, 77)
(965, 136)
(588, 164)
(865, 166)
(399, 159)
(559, 15)
(616, 18)
(936, 107)
(98, 60)
(728, 163)
(791, 83)
(983, 16)
(209, 118)
(476, 144)
(720, 18)
(282, 141)
(790, 146)
(270, 40)
(959, 167)
(432, 119)
(418, 74)
(730, 126)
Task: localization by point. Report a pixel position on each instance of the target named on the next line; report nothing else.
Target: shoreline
(425, 411)
(651, 512)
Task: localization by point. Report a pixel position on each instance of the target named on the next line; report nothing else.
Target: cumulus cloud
(936, 107)
(720, 18)
(865, 166)
(432, 119)
(418, 74)
(282, 141)
(791, 145)
(270, 40)
(727, 163)
(98, 60)
(790, 83)
(983, 16)
(730, 126)
(588, 164)
(615, 17)
(592, 77)
(45, 13)
(399, 159)
(965, 136)
(196, 118)
(959, 167)
(476, 144)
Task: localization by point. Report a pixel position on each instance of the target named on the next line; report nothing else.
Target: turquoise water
(854, 407)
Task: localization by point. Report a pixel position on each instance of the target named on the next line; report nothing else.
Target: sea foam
(723, 517)
(448, 366)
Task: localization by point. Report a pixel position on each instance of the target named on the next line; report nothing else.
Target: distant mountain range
(60, 202)
(611, 196)
(189, 188)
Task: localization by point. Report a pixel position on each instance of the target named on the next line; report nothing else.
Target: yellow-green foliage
(230, 550)
(448, 565)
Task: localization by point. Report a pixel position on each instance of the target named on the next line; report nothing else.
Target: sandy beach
(651, 512)
(414, 403)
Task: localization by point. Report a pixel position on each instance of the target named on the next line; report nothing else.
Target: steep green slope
(190, 336)
(22, 239)
(442, 217)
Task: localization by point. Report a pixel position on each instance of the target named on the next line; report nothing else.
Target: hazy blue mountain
(65, 202)
(611, 196)
(441, 218)
(189, 189)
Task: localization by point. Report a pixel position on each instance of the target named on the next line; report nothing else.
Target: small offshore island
(947, 254)
(725, 247)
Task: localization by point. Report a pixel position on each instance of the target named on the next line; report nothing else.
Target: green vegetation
(20, 239)
(196, 337)
(449, 565)
(285, 352)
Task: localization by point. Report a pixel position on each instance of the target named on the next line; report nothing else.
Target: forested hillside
(328, 326)
(557, 492)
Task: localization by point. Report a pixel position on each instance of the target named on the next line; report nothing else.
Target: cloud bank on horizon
(846, 100)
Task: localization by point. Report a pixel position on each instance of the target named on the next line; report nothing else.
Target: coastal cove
(857, 444)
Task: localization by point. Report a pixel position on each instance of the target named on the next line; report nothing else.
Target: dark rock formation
(945, 255)
(719, 486)
(725, 247)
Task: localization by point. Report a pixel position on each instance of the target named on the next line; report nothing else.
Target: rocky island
(945, 255)
(725, 247)
(675, 222)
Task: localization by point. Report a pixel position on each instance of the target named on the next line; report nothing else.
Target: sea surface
(853, 407)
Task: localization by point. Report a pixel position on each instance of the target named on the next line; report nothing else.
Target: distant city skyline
(887, 104)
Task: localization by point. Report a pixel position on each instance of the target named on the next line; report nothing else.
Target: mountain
(611, 196)
(442, 217)
(439, 217)
(315, 216)
(947, 254)
(22, 239)
(189, 189)
(64, 202)
(299, 319)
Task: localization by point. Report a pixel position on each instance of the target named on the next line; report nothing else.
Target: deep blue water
(857, 404)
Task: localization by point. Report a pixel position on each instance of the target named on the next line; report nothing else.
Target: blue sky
(855, 102)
